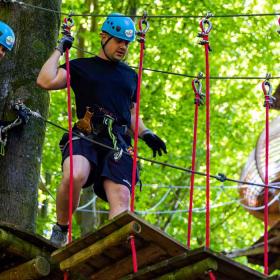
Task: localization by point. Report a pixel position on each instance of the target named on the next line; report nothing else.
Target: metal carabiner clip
(197, 88)
(68, 23)
(269, 99)
(142, 32)
(203, 24)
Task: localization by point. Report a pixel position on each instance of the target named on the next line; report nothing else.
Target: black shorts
(104, 166)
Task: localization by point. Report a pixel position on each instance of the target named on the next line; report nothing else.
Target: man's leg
(118, 197)
(81, 170)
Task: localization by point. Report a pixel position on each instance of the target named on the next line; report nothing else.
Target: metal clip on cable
(269, 99)
(204, 32)
(68, 23)
(197, 88)
(142, 32)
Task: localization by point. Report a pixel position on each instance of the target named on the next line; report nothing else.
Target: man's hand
(65, 43)
(154, 142)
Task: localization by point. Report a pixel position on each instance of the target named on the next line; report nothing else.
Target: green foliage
(242, 46)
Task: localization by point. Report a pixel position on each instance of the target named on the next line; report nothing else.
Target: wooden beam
(192, 272)
(12, 244)
(100, 246)
(34, 269)
(123, 267)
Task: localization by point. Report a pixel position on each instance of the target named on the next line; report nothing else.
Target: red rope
(205, 42)
(136, 132)
(267, 106)
(211, 275)
(70, 145)
(197, 103)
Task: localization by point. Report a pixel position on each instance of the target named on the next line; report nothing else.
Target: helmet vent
(118, 28)
(1, 33)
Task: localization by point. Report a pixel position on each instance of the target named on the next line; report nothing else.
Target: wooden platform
(114, 260)
(197, 263)
(23, 255)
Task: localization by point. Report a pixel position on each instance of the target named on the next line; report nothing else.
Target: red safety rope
(196, 85)
(142, 34)
(268, 103)
(68, 23)
(205, 41)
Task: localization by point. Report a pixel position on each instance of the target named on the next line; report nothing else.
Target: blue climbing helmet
(119, 26)
(7, 36)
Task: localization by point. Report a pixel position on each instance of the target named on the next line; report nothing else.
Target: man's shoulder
(126, 67)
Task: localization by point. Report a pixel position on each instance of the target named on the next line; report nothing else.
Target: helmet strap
(103, 47)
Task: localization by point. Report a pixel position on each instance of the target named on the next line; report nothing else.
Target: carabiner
(197, 88)
(203, 24)
(68, 23)
(144, 21)
(269, 99)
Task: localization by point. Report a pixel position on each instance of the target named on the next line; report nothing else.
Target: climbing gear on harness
(67, 40)
(23, 114)
(119, 26)
(85, 124)
(142, 32)
(7, 36)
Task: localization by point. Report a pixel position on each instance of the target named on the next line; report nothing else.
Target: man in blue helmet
(105, 94)
(7, 39)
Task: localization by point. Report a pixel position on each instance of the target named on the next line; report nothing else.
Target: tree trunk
(36, 33)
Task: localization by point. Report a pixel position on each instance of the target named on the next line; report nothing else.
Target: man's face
(2, 51)
(116, 49)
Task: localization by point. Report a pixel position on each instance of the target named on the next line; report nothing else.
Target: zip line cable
(220, 177)
(191, 76)
(27, 5)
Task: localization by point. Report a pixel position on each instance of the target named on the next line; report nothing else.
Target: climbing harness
(199, 100)
(268, 103)
(23, 114)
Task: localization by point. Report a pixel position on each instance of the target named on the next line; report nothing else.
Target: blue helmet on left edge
(7, 36)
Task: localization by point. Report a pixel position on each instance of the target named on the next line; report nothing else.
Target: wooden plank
(227, 268)
(100, 246)
(149, 233)
(33, 269)
(192, 272)
(20, 247)
(124, 266)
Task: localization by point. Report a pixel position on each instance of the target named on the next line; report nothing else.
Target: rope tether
(205, 41)
(268, 104)
(141, 33)
(197, 86)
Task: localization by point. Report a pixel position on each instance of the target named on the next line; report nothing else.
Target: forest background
(241, 46)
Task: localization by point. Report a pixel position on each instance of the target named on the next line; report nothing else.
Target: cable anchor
(142, 32)
(269, 99)
(197, 88)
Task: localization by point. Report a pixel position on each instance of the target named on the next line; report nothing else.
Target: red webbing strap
(205, 42)
(197, 102)
(136, 132)
(267, 104)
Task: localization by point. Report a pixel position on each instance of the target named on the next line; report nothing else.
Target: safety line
(188, 75)
(220, 177)
(139, 16)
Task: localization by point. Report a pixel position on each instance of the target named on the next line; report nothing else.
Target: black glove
(65, 43)
(154, 142)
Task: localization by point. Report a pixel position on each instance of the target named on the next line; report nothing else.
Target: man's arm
(151, 139)
(51, 77)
